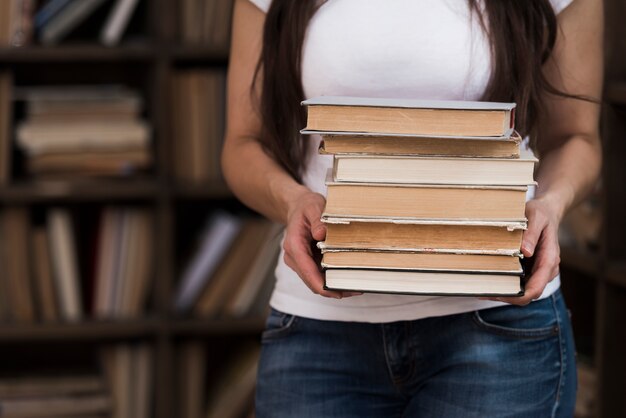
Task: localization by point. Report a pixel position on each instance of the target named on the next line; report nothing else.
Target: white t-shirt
(423, 49)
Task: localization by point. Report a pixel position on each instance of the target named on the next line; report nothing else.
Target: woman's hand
(304, 228)
(540, 241)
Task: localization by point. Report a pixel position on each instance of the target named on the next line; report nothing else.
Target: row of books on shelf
(205, 22)
(23, 22)
(42, 279)
(424, 197)
(199, 115)
(82, 130)
(232, 272)
(227, 393)
(78, 131)
(51, 275)
(122, 387)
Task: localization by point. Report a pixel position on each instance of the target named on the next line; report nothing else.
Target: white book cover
(117, 21)
(65, 266)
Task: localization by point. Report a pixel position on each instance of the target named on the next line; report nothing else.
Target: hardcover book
(407, 116)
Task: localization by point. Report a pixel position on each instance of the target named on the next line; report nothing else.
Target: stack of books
(424, 197)
(83, 130)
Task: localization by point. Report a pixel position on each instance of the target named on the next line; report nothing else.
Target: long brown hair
(522, 35)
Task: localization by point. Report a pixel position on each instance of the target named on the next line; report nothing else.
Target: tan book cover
(231, 272)
(467, 238)
(373, 200)
(365, 143)
(406, 116)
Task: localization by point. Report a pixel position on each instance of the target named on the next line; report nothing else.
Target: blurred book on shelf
(229, 393)
(217, 281)
(129, 372)
(54, 21)
(206, 22)
(54, 396)
(16, 22)
(199, 123)
(73, 131)
(51, 275)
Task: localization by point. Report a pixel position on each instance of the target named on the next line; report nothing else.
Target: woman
(340, 354)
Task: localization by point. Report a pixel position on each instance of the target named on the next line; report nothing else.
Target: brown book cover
(16, 226)
(48, 303)
(424, 235)
(365, 143)
(373, 200)
(419, 260)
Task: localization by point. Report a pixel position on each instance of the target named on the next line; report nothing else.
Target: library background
(114, 298)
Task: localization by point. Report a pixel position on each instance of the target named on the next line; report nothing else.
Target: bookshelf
(594, 279)
(147, 59)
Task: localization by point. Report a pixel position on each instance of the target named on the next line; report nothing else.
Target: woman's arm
(568, 142)
(253, 175)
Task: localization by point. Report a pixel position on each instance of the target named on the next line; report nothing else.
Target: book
(6, 120)
(89, 163)
(422, 235)
(435, 170)
(242, 301)
(48, 11)
(220, 232)
(116, 23)
(15, 230)
(67, 19)
(419, 260)
(235, 385)
(64, 264)
(44, 284)
(230, 275)
(191, 361)
(58, 137)
(407, 116)
(366, 143)
(426, 201)
(424, 282)
(58, 406)
(45, 386)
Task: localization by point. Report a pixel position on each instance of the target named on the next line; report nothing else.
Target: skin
(569, 146)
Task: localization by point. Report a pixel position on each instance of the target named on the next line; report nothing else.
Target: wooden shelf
(202, 191)
(85, 190)
(615, 93)
(77, 53)
(616, 273)
(84, 330)
(199, 53)
(220, 326)
(583, 261)
(95, 330)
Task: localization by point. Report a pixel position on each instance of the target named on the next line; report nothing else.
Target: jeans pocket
(534, 321)
(278, 325)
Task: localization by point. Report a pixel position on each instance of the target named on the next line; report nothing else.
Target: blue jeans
(500, 362)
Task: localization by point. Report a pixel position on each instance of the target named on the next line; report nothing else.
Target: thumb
(531, 236)
(318, 229)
